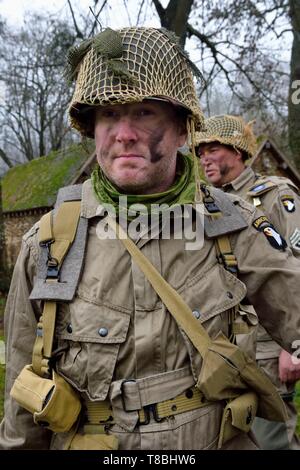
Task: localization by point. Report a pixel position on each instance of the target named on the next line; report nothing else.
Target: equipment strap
(58, 238)
(192, 399)
(172, 300)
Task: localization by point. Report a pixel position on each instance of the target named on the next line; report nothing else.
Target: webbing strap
(172, 300)
(181, 403)
(45, 231)
(61, 235)
(42, 348)
(192, 399)
(63, 231)
(225, 252)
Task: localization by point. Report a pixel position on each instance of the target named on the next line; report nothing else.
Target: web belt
(100, 413)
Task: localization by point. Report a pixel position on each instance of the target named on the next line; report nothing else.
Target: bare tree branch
(160, 10)
(78, 32)
(5, 158)
(140, 11)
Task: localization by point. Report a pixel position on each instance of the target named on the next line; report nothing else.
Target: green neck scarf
(181, 192)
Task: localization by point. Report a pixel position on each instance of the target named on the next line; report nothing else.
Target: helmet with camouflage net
(229, 130)
(126, 66)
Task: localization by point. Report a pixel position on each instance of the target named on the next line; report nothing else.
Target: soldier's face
(221, 164)
(137, 144)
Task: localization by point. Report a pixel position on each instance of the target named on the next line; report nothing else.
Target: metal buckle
(52, 263)
(148, 409)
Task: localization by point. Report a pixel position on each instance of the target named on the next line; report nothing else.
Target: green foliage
(35, 184)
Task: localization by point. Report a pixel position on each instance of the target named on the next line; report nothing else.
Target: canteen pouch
(238, 415)
(228, 372)
(53, 402)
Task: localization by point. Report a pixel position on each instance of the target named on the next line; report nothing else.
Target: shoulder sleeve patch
(261, 188)
(288, 202)
(263, 225)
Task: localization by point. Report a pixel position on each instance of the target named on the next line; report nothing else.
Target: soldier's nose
(126, 132)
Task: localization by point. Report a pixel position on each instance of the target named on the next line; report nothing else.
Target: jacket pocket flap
(85, 321)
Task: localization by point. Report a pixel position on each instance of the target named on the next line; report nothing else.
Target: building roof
(269, 160)
(35, 184)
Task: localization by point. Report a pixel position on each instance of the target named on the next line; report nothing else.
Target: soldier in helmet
(134, 348)
(224, 147)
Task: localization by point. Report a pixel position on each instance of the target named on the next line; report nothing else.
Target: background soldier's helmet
(229, 130)
(127, 66)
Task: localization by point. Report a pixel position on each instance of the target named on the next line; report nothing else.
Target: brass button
(196, 314)
(173, 407)
(69, 328)
(103, 332)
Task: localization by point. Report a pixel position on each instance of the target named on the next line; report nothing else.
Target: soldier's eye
(108, 113)
(144, 112)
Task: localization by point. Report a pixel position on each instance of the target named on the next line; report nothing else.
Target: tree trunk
(175, 16)
(294, 90)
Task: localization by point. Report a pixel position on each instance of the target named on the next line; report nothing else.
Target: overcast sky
(14, 10)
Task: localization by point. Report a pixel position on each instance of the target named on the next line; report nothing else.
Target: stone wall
(15, 226)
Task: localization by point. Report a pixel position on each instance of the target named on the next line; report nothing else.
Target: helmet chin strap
(192, 143)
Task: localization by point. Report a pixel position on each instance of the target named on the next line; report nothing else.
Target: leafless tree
(35, 95)
(241, 46)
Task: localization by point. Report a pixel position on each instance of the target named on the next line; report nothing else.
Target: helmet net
(229, 130)
(153, 67)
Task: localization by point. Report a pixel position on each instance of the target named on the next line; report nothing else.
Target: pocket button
(196, 314)
(103, 332)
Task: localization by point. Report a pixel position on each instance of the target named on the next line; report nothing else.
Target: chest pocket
(211, 295)
(89, 337)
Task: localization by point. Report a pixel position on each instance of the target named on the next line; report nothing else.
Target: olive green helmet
(127, 66)
(229, 130)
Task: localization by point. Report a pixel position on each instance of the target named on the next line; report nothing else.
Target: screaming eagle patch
(262, 224)
(288, 203)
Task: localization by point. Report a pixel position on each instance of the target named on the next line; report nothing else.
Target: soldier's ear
(239, 155)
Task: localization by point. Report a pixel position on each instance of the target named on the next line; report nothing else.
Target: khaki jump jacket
(287, 223)
(142, 337)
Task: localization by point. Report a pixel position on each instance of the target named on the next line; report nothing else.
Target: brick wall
(15, 226)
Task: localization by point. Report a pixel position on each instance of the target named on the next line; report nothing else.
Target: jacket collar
(245, 177)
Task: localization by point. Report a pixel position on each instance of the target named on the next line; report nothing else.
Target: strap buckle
(211, 206)
(229, 262)
(145, 413)
(52, 263)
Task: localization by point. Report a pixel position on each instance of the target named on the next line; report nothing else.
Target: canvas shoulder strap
(69, 266)
(57, 238)
(173, 301)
